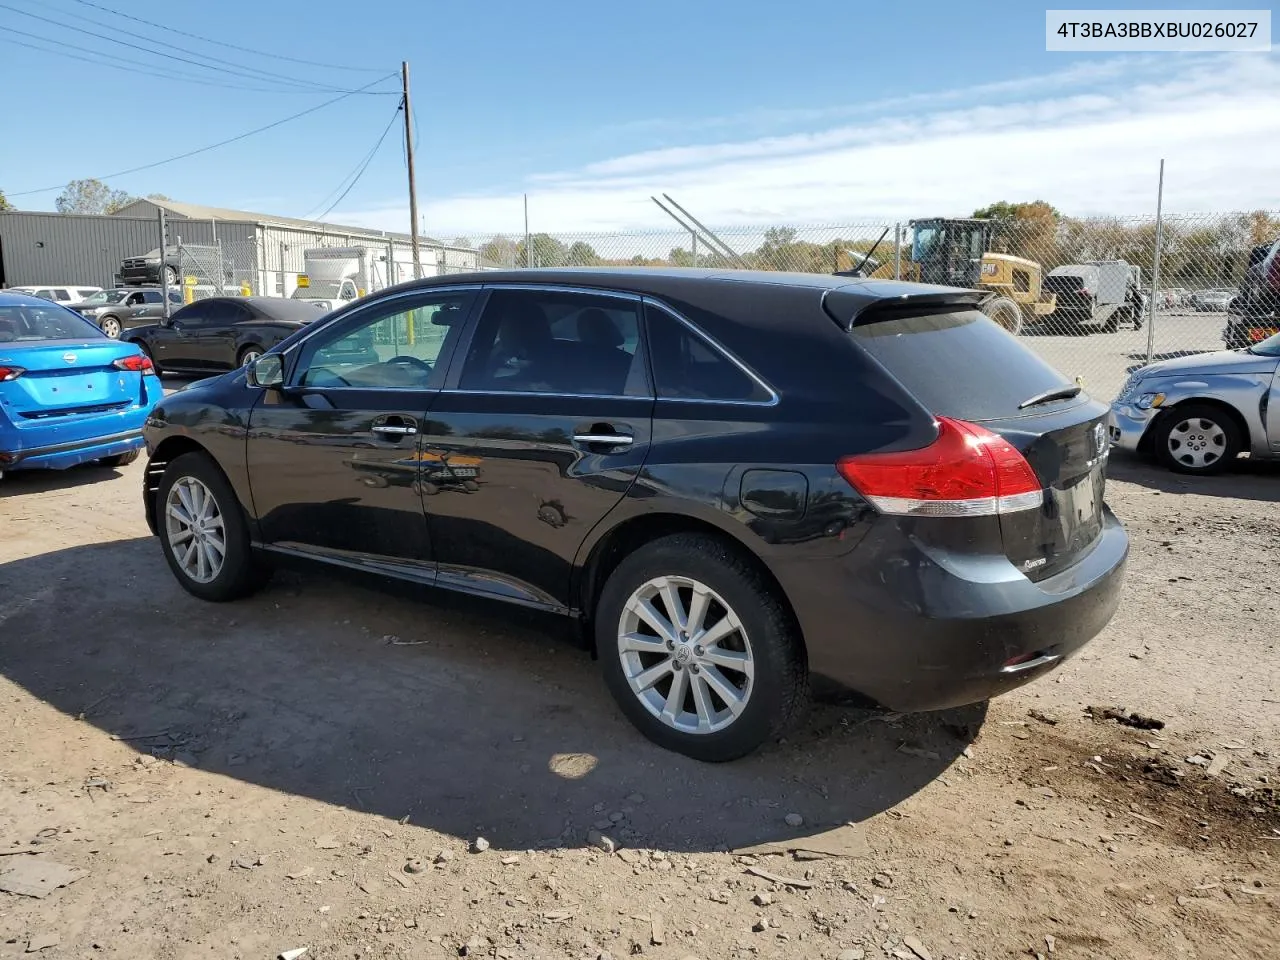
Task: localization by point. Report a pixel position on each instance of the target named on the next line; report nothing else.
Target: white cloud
(1087, 139)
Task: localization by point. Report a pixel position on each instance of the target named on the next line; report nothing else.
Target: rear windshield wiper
(1057, 393)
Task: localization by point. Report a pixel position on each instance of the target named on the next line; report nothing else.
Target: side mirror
(267, 371)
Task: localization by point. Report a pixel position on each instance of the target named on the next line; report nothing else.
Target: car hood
(1221, 362)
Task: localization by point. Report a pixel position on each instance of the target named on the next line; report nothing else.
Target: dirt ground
(311, 768)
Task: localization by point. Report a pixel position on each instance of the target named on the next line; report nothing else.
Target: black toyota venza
(735, 480)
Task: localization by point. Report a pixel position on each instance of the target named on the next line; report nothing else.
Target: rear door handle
(604, 439)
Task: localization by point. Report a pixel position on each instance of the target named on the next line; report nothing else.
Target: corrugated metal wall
(68, 249)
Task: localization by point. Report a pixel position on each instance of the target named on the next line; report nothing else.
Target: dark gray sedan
(115, 311)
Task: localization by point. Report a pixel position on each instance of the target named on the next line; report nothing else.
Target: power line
(361, 167)
(104, 60)
(212, 146)
(220, 43)
(300, 84)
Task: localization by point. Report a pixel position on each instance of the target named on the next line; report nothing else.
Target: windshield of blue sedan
(1269, 347)
(28, 324)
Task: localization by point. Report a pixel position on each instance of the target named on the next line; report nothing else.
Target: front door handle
(394, 429)
(605, 439)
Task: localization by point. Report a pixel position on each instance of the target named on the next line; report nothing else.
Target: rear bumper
(928, 634)
(60, 456)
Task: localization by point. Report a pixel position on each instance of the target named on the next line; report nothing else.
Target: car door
(543, 426)
(334, 457)
(174, 344)
(213, 343)
(145, 306)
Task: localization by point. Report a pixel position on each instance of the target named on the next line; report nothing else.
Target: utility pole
(413, 189)
(164, 263)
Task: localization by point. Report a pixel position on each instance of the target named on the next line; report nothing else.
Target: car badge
(1099, 438)
(69, 357)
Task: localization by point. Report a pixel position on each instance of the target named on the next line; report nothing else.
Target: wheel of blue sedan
(697, 649)
(203, 531)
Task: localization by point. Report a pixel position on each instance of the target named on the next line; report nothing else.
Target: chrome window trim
(540, 393)
(564, 288)
(719, 348)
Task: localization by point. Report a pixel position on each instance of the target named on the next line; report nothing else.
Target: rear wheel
(204, 533)
(120, 459)
(110, 326)
(1113, 322)
(1197, 438)
(249, 354)
(171, 275)
(1005, 312)
(698, 650)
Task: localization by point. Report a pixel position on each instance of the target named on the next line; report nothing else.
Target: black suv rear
(1254, 314)
(735, 480)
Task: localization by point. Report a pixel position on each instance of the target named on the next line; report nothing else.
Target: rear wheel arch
(629, 535)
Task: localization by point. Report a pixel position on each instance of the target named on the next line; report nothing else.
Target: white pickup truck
(337, 275)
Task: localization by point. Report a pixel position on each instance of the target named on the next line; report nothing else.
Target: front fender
(1244, 393)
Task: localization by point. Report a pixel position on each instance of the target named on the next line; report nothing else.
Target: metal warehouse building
(257, 250)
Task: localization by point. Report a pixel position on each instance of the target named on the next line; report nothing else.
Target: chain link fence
(1081, 291)
(228, 268)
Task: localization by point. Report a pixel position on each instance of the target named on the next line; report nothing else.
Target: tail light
(138, 363)
(967, 471)
(11, 373)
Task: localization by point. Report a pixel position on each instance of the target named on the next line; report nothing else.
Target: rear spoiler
(877, 300)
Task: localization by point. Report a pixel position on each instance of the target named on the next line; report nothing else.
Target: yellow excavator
(958, 253)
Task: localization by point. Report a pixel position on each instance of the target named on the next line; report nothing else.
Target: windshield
(106, 296)
(1269, 347)
(926, 239)
(319, 290)
(26, 324)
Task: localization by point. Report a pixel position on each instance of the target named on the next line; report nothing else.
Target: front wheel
(249, 354)
(110, 326)
(203, 531)
(698, 650)
(1005, 312)
(1197, 438)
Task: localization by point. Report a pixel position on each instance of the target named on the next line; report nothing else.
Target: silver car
(1196, 414)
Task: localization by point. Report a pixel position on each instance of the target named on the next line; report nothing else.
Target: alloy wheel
(686, 655)
(194, 526)
(1197, 442)
(111, 327)
(249, 356)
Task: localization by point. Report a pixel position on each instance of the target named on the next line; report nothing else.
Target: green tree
(4, 202)
(680, 257)
(1026, 230)
(159, 198)
(91, 196)
(546, 250)
(499, 252)
(582, 254)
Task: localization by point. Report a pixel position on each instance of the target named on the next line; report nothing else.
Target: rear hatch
(963, 366)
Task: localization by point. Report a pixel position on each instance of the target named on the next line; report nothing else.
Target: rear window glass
(28, 324)
(959, 364)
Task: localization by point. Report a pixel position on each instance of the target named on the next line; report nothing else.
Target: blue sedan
(68, 394)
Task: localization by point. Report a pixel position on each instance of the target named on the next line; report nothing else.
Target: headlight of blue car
(1149, 400)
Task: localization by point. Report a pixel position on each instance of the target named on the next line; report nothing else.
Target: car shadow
(460, 716)
(1246, 479)
(19, 483)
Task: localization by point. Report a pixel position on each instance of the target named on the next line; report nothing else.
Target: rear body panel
(71, 405)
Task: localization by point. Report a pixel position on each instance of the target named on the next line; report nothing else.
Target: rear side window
(687, 366)
(26, 324)
(151, 296)
(959, 364)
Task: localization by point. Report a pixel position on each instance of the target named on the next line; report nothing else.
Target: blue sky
(748, 112)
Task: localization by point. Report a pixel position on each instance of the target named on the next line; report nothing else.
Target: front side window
(394, 345)
(27, 324)
(546, 341)
(686, 366)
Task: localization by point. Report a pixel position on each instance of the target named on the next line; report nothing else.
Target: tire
(120, 459)
(111, 326)
(1004, 312)
(1113, 322)
(760, 628)
(240, 573)
(171, 275)
(248, 354)
(1197, 438)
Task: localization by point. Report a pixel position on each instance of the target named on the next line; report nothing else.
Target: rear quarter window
(958, 364)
